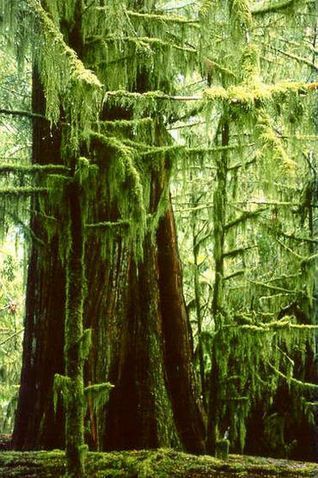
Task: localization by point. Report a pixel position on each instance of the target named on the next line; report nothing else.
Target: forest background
(114, 113)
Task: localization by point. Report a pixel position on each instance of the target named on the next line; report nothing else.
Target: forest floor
(160, 463)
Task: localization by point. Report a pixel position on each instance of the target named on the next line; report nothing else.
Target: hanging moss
(152, 102)
(61, 388)
(250, 64)
(254, 348)
(147, 41)
(98, 394)
(61, 72)
(271, 140)
(258, 92)
(61, 10)
(161, 48)
(125, 183)
(123, 157)
(142, 128)
(240, 14)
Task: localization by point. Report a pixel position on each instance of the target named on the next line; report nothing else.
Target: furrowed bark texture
(36, 423)
(140, 330)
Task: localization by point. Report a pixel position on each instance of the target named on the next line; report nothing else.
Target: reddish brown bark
(177, 340)
(36, 423)
(131, 418)
(156, 314)
(141, 334)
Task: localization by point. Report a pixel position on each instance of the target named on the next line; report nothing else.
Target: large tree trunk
(139, 413)
(140, 330)
(36, 423)
(143, 333)
(154, 400)
(177, 340)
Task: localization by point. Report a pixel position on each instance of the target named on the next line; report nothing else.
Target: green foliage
(11, 328)
(243, 201)
(67, 83)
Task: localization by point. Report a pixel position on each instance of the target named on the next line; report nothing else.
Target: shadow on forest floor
(160, 463)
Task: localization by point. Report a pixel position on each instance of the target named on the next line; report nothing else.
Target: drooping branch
(297, 58)
(109, 224)
(236, 252)
(297, 238)
(82, 104)
(27, 230)
(243, 218)
(76, 66)
(237, 273)
(275, 325)
(148, 41)
(163, 18)
(272, 287)
(18, 332)
(293, 380)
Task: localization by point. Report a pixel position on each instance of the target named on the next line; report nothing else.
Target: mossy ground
(160, 463)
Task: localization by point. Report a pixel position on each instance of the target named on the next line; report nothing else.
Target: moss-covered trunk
(219, 221)
(36, 423)
(74, 337)
(135, 307)
(139, 413)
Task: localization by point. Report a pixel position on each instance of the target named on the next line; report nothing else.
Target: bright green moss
(162, 463)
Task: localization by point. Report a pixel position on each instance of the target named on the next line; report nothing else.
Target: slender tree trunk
(74, 337)
(197, 299)
(219, 220)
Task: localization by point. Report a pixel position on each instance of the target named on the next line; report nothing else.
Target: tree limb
(27, 114)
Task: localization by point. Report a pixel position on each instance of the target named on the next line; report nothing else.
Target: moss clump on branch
(127, 184)
(7, 168)
(98, 394)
